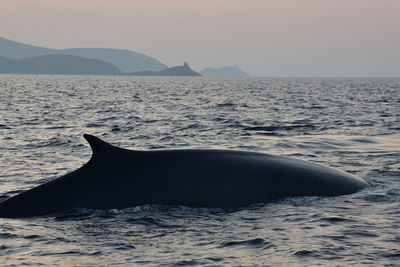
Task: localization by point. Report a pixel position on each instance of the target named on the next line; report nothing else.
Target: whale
(116, 178)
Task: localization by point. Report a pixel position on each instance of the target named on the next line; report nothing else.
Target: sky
(329, 38)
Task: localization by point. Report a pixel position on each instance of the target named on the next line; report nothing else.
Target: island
(228, 71)
(183, 70)
(57, 64)
(125, 60)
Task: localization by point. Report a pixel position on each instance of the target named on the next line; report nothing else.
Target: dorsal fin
(97, 145)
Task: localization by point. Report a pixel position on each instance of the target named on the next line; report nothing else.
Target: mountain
(57, 64)
(183, 70)
(228, 71)
(16, 50)
(125, 60)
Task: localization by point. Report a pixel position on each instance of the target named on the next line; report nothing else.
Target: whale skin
(118, 178)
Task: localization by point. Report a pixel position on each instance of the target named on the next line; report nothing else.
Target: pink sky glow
(263, 37)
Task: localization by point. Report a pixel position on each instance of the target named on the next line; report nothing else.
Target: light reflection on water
(351, 124)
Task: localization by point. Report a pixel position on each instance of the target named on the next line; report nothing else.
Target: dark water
(351, 124)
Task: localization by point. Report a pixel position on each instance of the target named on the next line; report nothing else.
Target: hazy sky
(263, 37)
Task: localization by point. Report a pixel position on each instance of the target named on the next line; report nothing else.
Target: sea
(352, 124)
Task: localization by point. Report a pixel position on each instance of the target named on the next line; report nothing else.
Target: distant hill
(183, 70)
(57, 64)
(16, 50)
(228, 71)
(125, 60)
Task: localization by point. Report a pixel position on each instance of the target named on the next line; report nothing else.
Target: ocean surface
(350, 124)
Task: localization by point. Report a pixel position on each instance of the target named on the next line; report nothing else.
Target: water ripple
(351, 124)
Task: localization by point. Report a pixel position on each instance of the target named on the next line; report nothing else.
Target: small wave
(75, 214)
(63, 253)
(167, 138)
(338, 238)
(53, 142)
(123, 129)
(376, 197)
(336, 219)
(7, 235)
(12, 236)
(316, 107)
(395, 254)
(225, 105)
(262, 128)
(74, 217)
(194, 126)
(306, 253)
(148, 221)
(31, 236)
(94, 125)
(2, 126)
(187, 263)
(58, 127)
(359, 233)
(364, 140)
(257, 242)
(116, 128)
(122, 246)
(278, 128)
(379, 193)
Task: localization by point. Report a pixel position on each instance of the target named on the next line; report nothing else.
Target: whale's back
(119, 178)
